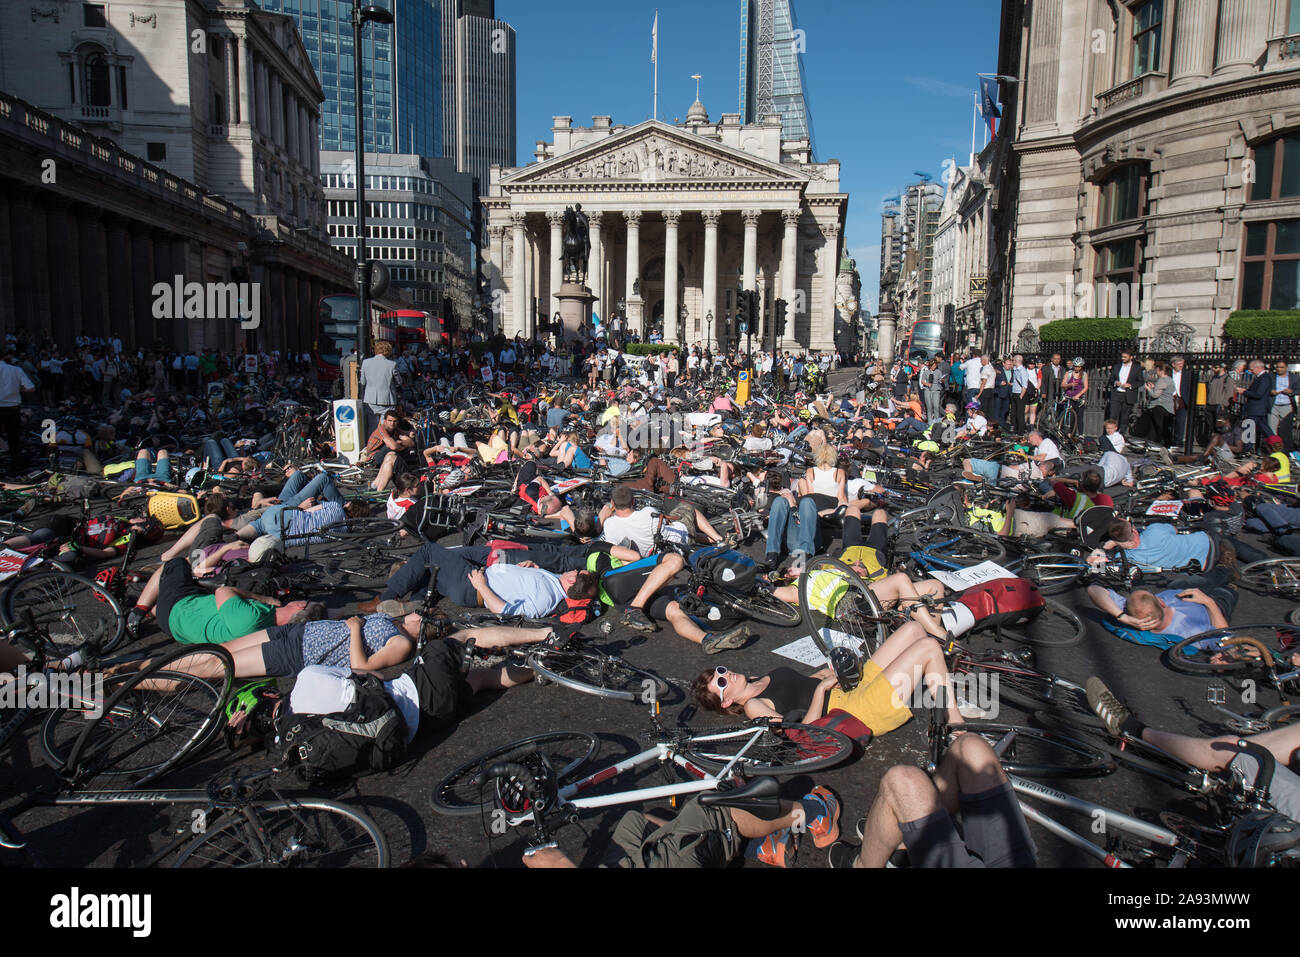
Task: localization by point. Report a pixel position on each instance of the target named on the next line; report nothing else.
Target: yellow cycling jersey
(826, 587)
(1283, 468)
(979, 516)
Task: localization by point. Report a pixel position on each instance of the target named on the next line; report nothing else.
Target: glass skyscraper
(401, 73)
(771, 67)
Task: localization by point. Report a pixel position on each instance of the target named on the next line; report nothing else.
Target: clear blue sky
(890, 82)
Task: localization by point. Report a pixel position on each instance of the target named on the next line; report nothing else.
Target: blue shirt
(329, 642)
(301, 523)
(617, 466)
(1189, 617)
(1019, 379)
(531, 592)
(1160, 546)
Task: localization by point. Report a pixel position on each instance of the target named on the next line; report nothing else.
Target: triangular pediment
(653, 152)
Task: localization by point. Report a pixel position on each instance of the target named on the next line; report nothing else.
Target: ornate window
(95, 80)
(1123, 195)
(1146, 36)
(1276, 172)
(1270, 268)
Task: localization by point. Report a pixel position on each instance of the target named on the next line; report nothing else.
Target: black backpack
(369, 735)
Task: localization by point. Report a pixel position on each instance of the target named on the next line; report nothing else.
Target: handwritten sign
(807, 652)
(964, 578)
(1165, 509)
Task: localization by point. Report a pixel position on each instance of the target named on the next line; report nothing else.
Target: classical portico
(680, 217)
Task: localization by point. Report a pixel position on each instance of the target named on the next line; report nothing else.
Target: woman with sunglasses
(889, 678)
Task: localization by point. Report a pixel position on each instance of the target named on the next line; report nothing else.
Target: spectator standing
(378, 384)
(1125, 385)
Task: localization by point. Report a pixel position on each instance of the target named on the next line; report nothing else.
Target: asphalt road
(119, 835)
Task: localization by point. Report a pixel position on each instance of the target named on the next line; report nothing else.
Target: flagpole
(974, 118)
(656, 60)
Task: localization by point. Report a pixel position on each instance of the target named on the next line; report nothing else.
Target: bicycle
(535, 780)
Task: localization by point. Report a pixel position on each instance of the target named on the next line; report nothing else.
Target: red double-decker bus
(409, 327)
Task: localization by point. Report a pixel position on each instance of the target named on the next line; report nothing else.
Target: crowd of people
(816, 496)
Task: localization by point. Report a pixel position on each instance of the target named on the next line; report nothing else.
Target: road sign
(742, 387)
(347, 432)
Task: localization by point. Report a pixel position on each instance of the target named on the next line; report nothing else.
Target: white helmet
(264, 546)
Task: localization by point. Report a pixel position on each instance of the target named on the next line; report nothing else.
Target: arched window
(94, 71)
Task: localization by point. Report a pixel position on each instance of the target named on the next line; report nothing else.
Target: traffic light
(780, 318)
(744, 311)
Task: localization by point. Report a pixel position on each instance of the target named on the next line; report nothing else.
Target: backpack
(368, 735)
(1005, 601)
(726, 567)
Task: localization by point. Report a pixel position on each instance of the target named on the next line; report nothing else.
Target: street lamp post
(708, 322)
(360, 15)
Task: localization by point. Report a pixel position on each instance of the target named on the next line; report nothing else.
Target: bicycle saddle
(762, 796)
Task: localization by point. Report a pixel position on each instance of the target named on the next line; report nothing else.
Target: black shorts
(877, 535)
(176, 582)
(996, 834)
(444, 694)
(61, 525)
(282, 652)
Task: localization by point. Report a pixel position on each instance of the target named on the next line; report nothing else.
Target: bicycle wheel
(773, 750)
(591, 672)
(961, 546)
(1053, 572)
(566, 751)
(1056, 625)
(1033, 693)
(310, 832)
(361, 529)
(155, 718)
(839, 610)
(1035, 752)
(73, 609)
(1283, 714)
(1273, 576)
(1195, 655)
(941, 514)
(762, 606)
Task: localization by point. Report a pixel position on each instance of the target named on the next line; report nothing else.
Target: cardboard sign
(965, 578)
(12, 562)
(807, 652)
(1165, 509)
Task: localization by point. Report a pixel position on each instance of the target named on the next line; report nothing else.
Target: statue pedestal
(885, 324)
(635, 316)
(575, 309)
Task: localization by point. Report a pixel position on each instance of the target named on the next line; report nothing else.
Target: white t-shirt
(637, 528)
(987, 375)
(977, 424)
(1115, 441)
(971, 370)
(1115, 469)
(1048, 448)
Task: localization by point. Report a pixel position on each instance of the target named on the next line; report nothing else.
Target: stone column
(275, 110)
(1044, 65)
(671, 304)
(1193, 41)
(142, 268)
(65, 273)
(1241, 35)
(710, 285)
(45, 274)
(596, 263)
(119, 280)
(556, 272)
(635, 312)
(496, 277)
(23, 243)
(825, 337)
(6, 265)
(789, 271)
(517, 282)
(247, 93)
(232, 82)
(750, 278)
(94, 294)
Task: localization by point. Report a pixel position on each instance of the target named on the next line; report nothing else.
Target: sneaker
(728, 640)
(134, 619)
(637, 619)
(825, 828)
(777, 849)
(1113, 712)
(394, 608)
(843, 855)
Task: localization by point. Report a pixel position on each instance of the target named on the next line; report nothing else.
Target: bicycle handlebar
(1267, 765)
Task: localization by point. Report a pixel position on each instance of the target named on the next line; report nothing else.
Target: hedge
(1087, 330)
(1263, 324)
(650, 348)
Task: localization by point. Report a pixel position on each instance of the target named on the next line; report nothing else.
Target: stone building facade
(1146, 163)
(681, 216)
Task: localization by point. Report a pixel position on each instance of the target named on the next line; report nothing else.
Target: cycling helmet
(109, 579)
(1257, 839)
(196, 477)
(265, 548)
(251, 710)
(972, 405)
(1077, 361)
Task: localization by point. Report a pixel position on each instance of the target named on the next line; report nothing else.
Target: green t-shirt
(196, 619)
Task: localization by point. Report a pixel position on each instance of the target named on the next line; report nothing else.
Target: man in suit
(1125, 385)
(1281, 404)
(1184, 390)
(1051, 374)
(1258, 397)
(1019, 377)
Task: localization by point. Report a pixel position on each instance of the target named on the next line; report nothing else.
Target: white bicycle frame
(661, 752)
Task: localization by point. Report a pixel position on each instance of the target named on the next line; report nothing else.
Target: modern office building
(418, 223)
(771, 68)
(402, 73)
(478, 88)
